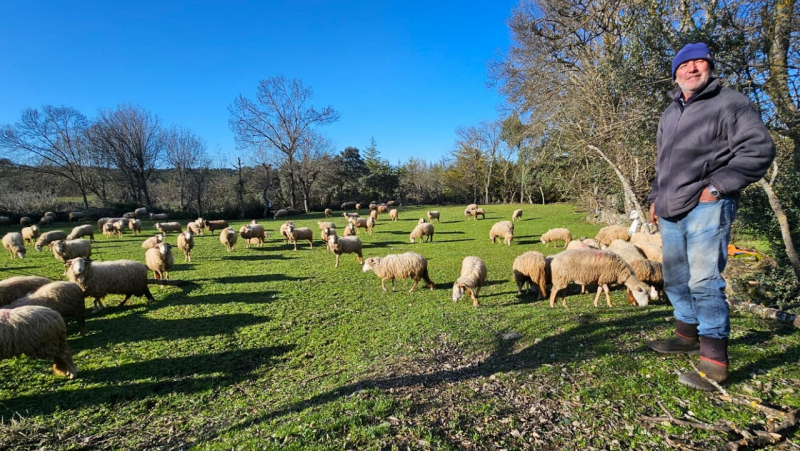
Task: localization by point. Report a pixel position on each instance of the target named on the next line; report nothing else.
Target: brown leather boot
(713, 365)
(685, 341)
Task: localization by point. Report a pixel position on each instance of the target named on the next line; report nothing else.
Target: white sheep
(652, 238)
(186, 244)
(626, 250)
(382, 208)
(282, 213)
(99, 279)
(393, 214)
(135, 225)
(153, 241)
(81, 231)
(30, 233)
(65, 250)
(350, 230)
(16, 287)
(610, 233)
(555, 235)
(13, 242)
(325, 225)
(434, 214)
(477, 212)
(253, 232)
(421, 221)
(219, 224)
(113, 228)
(651, 251)
(531, 268)
(300, 233)
(39, 333)
(517, 214)
(284, 228)
(586, 267)
(373, 214)
(370, 225)
(160, 260)
(140, 212)
(421, 231)
(325, 234)
(473, 276)
(328, 212)
(159, 216)
(194, 228)
(347, 215)
(228, 237)
(399, 266)
(103, 221)
(345, 245)
(64, 297)
(504, 229)
(649, 272)
(359, 222)
(165, 227)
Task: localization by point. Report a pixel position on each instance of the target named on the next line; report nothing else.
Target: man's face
(692, 76)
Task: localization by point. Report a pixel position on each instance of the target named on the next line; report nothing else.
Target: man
(711, 144)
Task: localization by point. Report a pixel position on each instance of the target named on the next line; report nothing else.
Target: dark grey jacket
(718, 138)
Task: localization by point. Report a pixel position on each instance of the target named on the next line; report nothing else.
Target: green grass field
(275, 349)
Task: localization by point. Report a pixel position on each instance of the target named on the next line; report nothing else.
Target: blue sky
(407, 73)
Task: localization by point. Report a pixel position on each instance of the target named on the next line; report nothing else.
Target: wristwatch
(714, 191)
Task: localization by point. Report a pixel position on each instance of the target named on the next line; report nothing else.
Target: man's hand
(653, 216)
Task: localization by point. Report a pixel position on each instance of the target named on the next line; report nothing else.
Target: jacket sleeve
(751, 151)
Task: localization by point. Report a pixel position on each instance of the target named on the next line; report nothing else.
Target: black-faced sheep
(65, 250)
(64, 297)
(12, 241)
(16, 287)
(30, 233)
(39, 333)
(434, 214)
(610, 233)
(586, 267)
(99, 279)
(349, 205)
(165, 227)
(531, 268)
(421, 231)
(300, 233)
(159, 216)
(186, 244)
(556, 235)
(81, 231)
(160, 260)
(219, 224)
(473, 276)
(504, 229)
(345, 245)
(153, 241)
(399, 266)
(228, 237)
(393, 214)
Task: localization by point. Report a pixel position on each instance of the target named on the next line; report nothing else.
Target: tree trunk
(777, 208)
(240, 188)
(631, 202)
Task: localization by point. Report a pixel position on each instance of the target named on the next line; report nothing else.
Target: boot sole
(689, 352)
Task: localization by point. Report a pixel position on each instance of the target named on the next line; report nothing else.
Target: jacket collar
(711, 87)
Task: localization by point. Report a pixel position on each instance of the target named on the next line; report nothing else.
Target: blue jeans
(695, 253)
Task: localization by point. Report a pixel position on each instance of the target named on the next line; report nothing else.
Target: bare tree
(52, 141)
(314, 158)
(187, 153)
(276, 121)
(482, 142)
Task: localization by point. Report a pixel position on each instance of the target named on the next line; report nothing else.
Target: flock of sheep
(33, 309)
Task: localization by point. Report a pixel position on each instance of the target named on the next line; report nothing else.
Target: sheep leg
(554, 296)
(383, 284)
(124, 300)
(608, 298)
(414, 285)
(148, 295)
(98, 305)
(474, 296)
(337, 261)
(542, 289)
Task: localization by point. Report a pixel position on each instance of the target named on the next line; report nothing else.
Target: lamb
(219, 224)
(421, 231)
(326, 225)
(160, 260)
(75, 216)
(30, 233)
(284, 228)
(153, 241)
(13, 242)
(650, 273)
(65, 250)
(503, 229)
(99, 279)
(81, 231)
(345, 245)
(610, 233)
(186, 244)
(473, 276)
(16, 287)
(47, 238)
(478, 211)
(325, 234)
(194, 228)
(626, 250)
(328, 212)
(64, 297)
(433, 214)
(39, 333)
(282, 213)
(300, 233)
(370, 224)
(399, 266)
(393, 214)
(165, 227)
(228, 237)
(159, 216)
(651, 251)
(140, 212)
(517, 214)
(135, 225)
(25, 221)
(586, 267)
(531, 268)
(253, 232)
(349, 230)
(555, 235)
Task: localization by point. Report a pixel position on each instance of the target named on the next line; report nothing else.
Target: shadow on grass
(259, 278)
(258, 297)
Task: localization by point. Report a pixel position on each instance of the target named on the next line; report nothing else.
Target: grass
(276, 349)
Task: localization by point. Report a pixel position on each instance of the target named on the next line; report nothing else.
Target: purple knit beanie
(697, 51)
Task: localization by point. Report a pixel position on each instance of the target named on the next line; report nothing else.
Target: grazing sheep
(194, 228)
(103, 221)
(373, 206)
(140, 212)
(358, 206)
(476, 212)
(165, 227)
(99, 279)
(577, 245)
(219, 224)
(516, 215)
(399, 266)
(39, 333)
(326, 225)
(359, 222)
(328, 212)
(16, 287)
(228, 237)
(160, 260)
(159, 216)
(650, 273)
(503, 229)
(610, 233)
(129, 215)
(5, 220)
(64, 297)
(433, 214)
(382, 208)
(65, 250)
(349, 205)
(113, 228)
(586, 267)
(25, 221)
(282, 213)
(651, 251)
(626, 250)
(350, 230)
(421, 231)
(370, 224)
(186, 244)
(253, 232)
(47, 238)
(591, 242)
(421, 221)
(393, 214)
(300, 233)
(373, 214)
(48, 219)
(284, 229)
(13, 242)
(555, 235)
(345, 245)
(531, 268)
(135, 225)
(471, 207)
(30, 233)
(325, 234)
(473, 275)
(349, 216)
(75, 216)
(652, 238)
(81, 231)
(153, 241)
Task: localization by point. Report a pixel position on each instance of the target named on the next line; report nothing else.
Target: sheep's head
(159, 237)
(79, 265)
(639, 295)
(58, 246)
(371, 263)
(421, 221)
(188, 234)
(332, 240)
(164, 248)
(458, 291)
